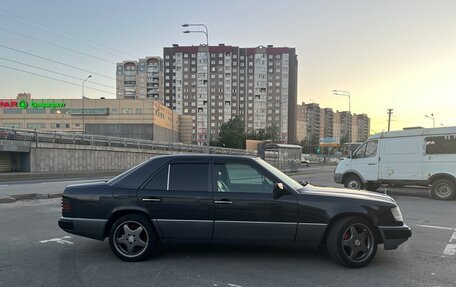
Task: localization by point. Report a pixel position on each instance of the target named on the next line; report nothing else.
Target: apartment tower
(257, 84)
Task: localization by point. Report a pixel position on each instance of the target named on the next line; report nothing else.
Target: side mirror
(279, 189)
(350, 155)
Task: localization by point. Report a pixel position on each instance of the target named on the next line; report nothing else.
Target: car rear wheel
(351, 242)
(353, 182)
(443, 189)
(132, 238)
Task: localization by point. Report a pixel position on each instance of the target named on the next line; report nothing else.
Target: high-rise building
(257, 84)
(360, 127)
(343, 126)
(313, 120)
(141, 79)
(301, 122)
(326, 123)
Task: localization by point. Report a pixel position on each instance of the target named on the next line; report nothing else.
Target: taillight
(66, 207)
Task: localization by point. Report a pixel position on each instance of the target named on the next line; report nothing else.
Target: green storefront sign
(40, 105)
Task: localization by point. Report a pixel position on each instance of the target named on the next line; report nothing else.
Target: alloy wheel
(357, 242)
(131, 239)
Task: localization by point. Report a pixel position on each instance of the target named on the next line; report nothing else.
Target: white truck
(417, 156)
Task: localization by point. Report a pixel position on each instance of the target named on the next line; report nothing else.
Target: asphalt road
(35, 252)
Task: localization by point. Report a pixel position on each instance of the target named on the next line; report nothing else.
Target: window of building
(12, 111)
(12, 125)
(36, 126)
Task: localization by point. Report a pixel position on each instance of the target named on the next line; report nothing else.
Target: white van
(409, 157)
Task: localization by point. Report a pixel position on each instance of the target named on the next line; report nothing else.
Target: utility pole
(390, 112)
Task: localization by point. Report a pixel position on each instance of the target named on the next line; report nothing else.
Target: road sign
(329, 142)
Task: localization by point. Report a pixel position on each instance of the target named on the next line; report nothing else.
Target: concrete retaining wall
(69, 158)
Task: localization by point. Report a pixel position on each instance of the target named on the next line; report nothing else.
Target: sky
(386, 53)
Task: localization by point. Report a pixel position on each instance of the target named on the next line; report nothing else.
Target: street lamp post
(432, 118)
(208, 102)
(346, 94)
(83, 111)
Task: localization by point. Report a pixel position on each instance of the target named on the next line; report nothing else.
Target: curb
(26, 196)
(6, 199)
(6, 177)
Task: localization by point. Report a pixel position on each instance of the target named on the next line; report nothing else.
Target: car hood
(346, 193)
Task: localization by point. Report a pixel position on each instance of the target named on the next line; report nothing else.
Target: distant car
(229, 199)
(305, 162)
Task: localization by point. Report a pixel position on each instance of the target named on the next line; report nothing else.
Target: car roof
(201, 156)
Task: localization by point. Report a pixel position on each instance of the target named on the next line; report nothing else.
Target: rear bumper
(338, 177)
(393, 236)
(87, 227)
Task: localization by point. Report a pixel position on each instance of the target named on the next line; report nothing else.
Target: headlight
(397, 214)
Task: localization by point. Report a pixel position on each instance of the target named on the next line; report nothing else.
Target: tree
(273, 132)
(232, 134)
(270, 133)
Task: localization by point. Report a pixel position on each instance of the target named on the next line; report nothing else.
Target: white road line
(60, 240)
(453, 237)
(234, 285)
(435, 227)
(450, 250)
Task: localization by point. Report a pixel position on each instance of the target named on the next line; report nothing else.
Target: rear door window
(189, 177)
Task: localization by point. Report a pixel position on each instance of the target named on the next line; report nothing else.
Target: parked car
(399, 158)
(305, 162)
(234, 199)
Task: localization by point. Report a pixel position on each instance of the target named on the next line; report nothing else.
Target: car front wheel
(132, 238)
(351, 242)
(353, 182)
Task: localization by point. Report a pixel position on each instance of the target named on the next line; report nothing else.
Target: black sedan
(229, 199)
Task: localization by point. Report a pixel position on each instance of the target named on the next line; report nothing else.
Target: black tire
(372, 186)
(352, 242)
(353, 182)
(443, 189)
(132, 238)
(308, 165)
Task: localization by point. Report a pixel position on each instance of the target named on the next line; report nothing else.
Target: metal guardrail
(98, 140)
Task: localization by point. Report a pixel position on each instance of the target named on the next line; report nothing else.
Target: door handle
(152, 199)
(223, 201)
(371, 164)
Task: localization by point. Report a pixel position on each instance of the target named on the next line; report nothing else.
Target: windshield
(285, 178)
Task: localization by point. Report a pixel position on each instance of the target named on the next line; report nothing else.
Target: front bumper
(338, 177)
(87, 227)
(393, 236)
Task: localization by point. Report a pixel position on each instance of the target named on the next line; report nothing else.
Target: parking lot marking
(234, 285)
(453, 237)
(61, 240)
(433, 226)
(450, 250)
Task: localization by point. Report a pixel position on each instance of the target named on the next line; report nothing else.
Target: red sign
(9, 104)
